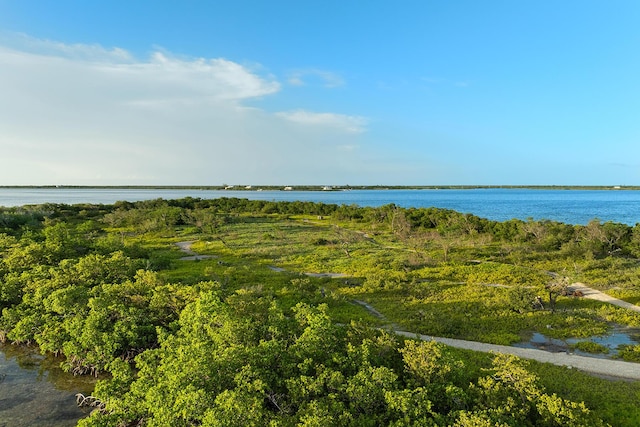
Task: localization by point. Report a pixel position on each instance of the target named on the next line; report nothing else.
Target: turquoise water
(568, 206)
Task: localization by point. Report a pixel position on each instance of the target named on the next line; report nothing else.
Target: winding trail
(185, 247)
(606, 367)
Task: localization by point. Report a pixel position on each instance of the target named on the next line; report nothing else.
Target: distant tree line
(596, 239)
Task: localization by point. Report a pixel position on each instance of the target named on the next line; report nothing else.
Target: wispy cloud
(77, 51)
(351, 124)
(326, 78)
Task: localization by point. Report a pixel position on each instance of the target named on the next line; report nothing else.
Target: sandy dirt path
(186, 247)
(594, 294)
(606, 367)
(190, 255)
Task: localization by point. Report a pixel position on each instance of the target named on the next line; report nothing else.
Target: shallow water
(34, 391)
(619, 336)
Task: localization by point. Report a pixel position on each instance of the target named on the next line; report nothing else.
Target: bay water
(498, 204)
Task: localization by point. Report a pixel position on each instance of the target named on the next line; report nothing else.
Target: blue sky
(320, 92)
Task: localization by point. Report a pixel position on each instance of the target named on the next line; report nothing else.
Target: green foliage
(505, 274)
(512, 395)
(228, 341)
(14, 220)
(590, 347)
(630, 353)
(616, 402)
(520, 298)
(246, 362)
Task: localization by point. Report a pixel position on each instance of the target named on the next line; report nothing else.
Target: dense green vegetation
(244, 337)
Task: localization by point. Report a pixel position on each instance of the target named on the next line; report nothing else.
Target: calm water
(619, 336)
(34, 391)
(568, 206)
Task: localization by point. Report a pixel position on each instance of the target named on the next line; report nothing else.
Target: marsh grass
(590, 347)
(405, 279)
(411, 284)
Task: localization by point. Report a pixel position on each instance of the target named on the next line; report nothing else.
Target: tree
(556, 287)
(520, 298)
(511, 395)
(605, 239)
(400, 224)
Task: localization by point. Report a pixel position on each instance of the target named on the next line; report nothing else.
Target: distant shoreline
(499, 203)
(325, 187)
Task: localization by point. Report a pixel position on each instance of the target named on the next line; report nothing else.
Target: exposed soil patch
(191, 255)
(329, 275)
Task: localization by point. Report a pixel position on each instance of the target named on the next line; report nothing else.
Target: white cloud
(350, 124)
(216, 78)
(78, 114)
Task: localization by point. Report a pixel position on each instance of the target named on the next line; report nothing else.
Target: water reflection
(34, 391)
